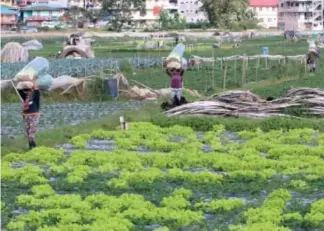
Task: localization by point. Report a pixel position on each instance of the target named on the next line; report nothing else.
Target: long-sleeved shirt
(31, 104)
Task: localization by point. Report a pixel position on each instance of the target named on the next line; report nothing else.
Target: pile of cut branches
(310, 101)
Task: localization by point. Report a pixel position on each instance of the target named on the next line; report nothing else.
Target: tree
(76, 15)
(168, 21)
(122, 11)
(226, 13)
(164, 20)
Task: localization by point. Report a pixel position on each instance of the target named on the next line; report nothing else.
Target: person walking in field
(312, 56)
(30, 94)
(176, 84)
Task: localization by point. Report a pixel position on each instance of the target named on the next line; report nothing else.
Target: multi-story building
(42, 15)
(7, 3)
(23, 3)
(8, 17)
(191, 10)
(153, 10)
(85, 3)
(266, 11)
(301, 15)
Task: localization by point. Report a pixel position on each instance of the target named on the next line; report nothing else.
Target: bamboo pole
(225, 78)
(235, 67)
(257, 69)
(243, 71)
(21, 99)
(213, 73)
(144, 86)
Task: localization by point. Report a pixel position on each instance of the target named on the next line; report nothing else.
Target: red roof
(263, 3)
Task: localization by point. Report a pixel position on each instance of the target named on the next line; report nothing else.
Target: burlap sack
(25, 85)
(174, 65)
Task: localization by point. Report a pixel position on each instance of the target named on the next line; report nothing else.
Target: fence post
(225, 77)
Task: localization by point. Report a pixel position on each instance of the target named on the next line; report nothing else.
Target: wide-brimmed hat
(25, 85)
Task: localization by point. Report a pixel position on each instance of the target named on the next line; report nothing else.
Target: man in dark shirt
(31, 98)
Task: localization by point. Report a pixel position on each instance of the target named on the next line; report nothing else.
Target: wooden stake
(123, 123)
(235, 67)
(224, 78)
(257, 69)
(243, 70)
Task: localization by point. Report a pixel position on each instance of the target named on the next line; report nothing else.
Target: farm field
(168, 178)
(145, 65)
(62, 114)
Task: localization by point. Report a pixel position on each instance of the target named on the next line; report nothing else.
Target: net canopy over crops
(173, 178)
(81, 67)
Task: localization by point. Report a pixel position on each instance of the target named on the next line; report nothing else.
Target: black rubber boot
(32, 144)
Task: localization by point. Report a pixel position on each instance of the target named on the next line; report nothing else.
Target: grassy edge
(63, 134)
(152, 113)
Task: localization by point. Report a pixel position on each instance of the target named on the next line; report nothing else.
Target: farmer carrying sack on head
(176, 73)
(312, 56)
(30, 94)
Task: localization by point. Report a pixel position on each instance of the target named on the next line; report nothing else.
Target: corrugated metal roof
(6, 10)
(42, 7)
(263, 3)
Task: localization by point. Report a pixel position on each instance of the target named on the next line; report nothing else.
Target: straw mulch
(246, 104)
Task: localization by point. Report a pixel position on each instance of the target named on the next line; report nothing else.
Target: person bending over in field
(176, 84)
(31, 97)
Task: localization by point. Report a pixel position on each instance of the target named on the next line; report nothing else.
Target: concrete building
(41, 15)
(190, 10)
(153, 10)
(85, 3)
(8, 3)
(301, 15)
(8, 17)
(266, 11)
(23, 3)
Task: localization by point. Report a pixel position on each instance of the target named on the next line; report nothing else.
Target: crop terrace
(153, 178)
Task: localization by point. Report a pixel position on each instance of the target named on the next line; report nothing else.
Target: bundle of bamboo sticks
(310, 101)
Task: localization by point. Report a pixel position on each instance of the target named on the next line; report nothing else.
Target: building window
(38, 13)
(273, 8)
(269, 19)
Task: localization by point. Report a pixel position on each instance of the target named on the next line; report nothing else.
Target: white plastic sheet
(34, 45)
(38, 66)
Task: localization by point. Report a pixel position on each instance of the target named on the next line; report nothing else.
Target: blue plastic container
(111, 87)
(265, 50)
